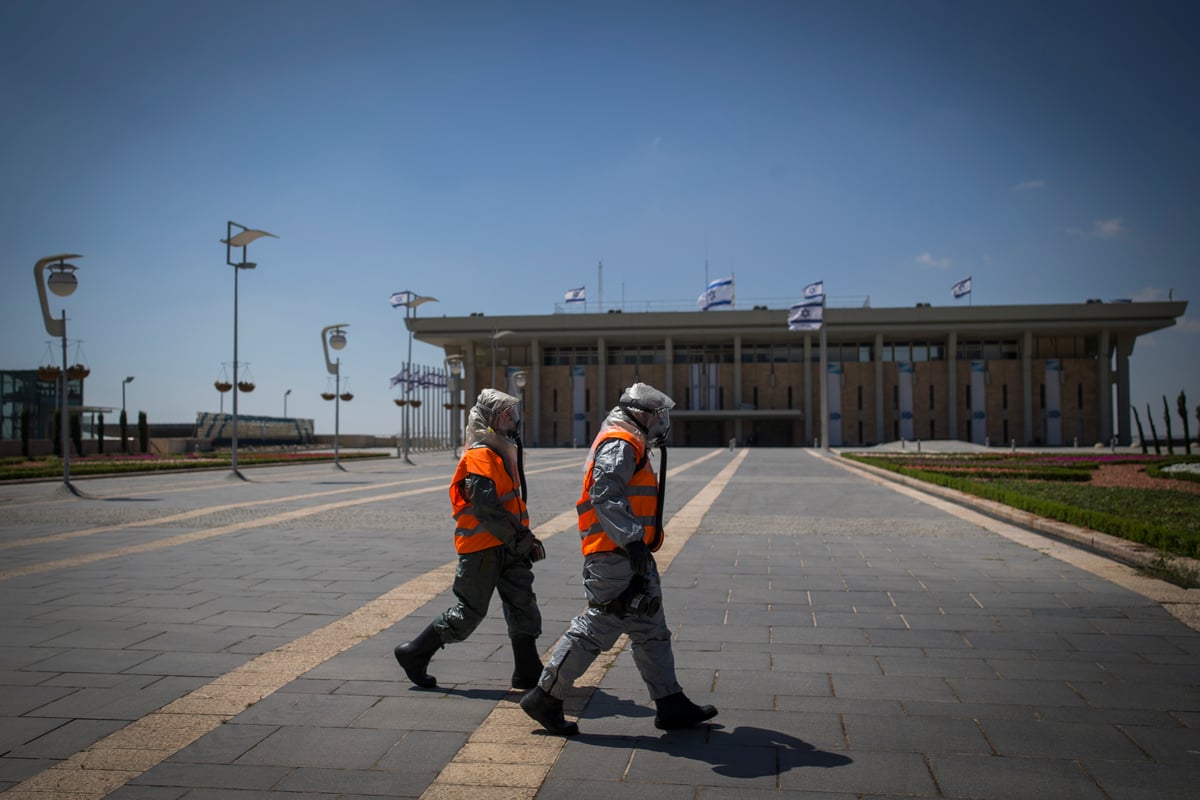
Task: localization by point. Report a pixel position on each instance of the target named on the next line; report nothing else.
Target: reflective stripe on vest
(470, 534)
(641, 492)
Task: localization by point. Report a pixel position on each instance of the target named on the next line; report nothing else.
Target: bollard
(1014, 445)
(918, 445)
(817, 441)
(732, 443)
(1076, 441)
(903, 444)
(987, 441)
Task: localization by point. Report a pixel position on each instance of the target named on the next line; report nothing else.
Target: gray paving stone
(1045, 739)
(321, 748)
(914, 735)
(1013, 779)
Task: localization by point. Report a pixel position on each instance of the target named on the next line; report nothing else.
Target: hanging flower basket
(327, 395)
(415, 403)
(78, 372)
(346, 397)
(245, 386)
(399, 402)
(48, 373)
(222, 386)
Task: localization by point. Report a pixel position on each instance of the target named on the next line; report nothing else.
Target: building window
(1004, 398)
(554, 401)
(1079, 395)
(932, 430)
(1042, 395)
(967, 396)
(755, 399)
(789, 397)
(860, 432)
(860, 399)
(895, 398)
(931, 397)
(1006, 430)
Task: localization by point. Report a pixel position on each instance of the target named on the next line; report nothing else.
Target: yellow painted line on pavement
(209, 533)
(199, 512)
(508, 756)
(112, 762)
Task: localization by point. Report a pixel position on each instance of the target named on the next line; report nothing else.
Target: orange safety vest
(642, 493)
(470, 535)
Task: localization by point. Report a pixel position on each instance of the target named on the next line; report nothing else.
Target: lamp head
(337, 340)
(62, 279)
(128, 380)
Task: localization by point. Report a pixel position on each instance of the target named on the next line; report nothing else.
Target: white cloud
(1101, 229)
(1026, 186)
(927, 260)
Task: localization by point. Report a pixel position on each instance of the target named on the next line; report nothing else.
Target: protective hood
(482, 421)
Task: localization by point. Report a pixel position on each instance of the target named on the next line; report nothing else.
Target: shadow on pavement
(744, 752)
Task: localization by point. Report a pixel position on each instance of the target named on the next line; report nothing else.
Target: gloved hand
(639, 556)
(526, 545)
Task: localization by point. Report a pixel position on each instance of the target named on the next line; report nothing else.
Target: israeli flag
(576, 295)
(961, 288)
(402, 298)
(718, 293)
(814, 290)
(806, 316)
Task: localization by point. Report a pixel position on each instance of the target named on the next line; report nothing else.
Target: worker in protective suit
(620, 526)
(496, 548)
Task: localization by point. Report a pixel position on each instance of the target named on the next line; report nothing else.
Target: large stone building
(1032, 374)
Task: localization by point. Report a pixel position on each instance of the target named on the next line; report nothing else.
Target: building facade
(1025, 375)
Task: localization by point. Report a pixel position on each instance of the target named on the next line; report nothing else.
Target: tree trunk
(1141, 433)
(1181, 407)
(1167, 419)
(1153, 430)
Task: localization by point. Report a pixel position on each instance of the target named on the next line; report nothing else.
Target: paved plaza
(195, 637)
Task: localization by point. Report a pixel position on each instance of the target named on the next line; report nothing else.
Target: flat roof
(770, 325)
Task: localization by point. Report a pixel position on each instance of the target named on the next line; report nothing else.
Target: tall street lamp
(124, 383)
(454, 374)
(241, 239)
(285, 396)
(62, 282)
(410, 301)
(496, 335)
(335, 336)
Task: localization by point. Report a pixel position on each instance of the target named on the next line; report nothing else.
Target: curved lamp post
(285, 396)
(454, 373)
(62, 282)
(241, 239)
(410, 311)
(335, 336)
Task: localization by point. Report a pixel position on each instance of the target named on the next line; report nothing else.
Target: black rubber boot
(528, 664)
(677, 711)
(547, 710)
(414, 656)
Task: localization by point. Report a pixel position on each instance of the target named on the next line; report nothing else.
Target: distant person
(496, 548)
(620, 525)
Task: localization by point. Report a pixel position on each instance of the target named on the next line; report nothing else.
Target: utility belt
(634, 600)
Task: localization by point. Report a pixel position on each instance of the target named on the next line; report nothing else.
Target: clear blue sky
(491, 154)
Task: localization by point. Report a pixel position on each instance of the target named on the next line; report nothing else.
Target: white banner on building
(833, 396)
(979, 402)
(579, 431)
(1053, 402)
(906, 375)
